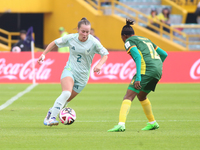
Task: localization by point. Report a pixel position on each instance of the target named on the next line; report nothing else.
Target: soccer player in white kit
(75, 75)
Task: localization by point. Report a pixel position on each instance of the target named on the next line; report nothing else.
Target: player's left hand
(97, 69)
(137, 85)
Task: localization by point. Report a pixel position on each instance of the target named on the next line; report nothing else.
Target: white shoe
(46, 119)
(52, 122)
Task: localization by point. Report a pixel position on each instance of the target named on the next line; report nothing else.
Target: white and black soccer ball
(67, 116)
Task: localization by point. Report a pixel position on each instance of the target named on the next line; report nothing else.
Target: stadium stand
(189, 5)
(6, 39)
(108, 19)
(186, 35)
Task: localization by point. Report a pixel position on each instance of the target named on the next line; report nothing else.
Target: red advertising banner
(179, 67)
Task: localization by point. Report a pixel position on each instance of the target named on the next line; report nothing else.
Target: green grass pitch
(176, 108)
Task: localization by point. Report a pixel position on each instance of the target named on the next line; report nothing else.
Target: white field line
(143, 121)
(20, 94)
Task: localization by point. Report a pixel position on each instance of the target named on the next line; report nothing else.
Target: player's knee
(129, 97)
(141, 97)
(66, 94)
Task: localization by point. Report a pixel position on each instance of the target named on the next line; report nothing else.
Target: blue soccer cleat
(46, 119)
(52, 122)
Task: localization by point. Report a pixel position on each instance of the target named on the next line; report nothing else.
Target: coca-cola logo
(114, 71)
(24, 71)
(195, 70)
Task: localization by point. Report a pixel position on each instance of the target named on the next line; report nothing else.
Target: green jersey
(151, 64)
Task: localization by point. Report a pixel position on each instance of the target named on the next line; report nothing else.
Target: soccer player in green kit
(149, 60)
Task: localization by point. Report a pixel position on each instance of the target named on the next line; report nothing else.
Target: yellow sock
(124, 110)
(147, 109)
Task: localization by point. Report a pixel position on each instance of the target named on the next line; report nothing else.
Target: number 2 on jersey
(153, 53)
(78, 59)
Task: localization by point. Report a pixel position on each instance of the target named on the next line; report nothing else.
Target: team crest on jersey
(73, 47)
(87, 51)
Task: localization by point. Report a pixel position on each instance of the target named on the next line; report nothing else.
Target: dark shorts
(148, 84)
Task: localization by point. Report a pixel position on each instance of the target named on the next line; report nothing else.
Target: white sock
(121, 123)
(59, 103)
(152, 122)
(66, 104)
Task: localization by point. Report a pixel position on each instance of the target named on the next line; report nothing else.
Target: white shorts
(78, 87)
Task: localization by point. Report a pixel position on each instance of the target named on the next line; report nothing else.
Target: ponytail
(127, 29)
(129, 22)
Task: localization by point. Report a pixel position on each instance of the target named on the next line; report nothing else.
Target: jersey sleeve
(63, 41)
(137, 58)
(162, 53)
(128, 45)
(131, 49)
(100, 49)
(155, 46)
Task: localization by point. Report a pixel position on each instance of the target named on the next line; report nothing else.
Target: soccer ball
(67, 116)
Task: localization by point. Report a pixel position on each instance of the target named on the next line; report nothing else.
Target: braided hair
(127, 29)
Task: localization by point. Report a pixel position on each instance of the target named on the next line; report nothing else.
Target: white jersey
(81, 55)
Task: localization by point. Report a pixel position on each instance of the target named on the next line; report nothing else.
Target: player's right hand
(41, 59)
(137, 85)
(97, 69)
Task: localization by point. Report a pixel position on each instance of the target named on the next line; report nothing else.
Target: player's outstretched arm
(162, 53)
(97, 68)
(48, 49)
